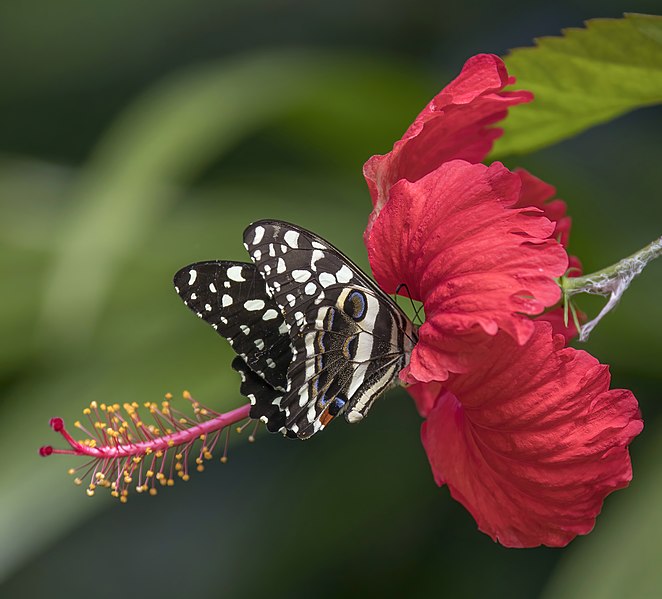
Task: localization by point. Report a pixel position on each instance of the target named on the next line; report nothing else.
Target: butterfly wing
(349, 339)
(232, 297)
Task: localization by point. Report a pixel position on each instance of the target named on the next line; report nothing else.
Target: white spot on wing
(193, 275)
(326, 279)
(244, 329)
(292, 239)
(318, 246)
(301, 276)
(270, 314)
(280, 266)
(212, 288)
(208, 307)
(317, 255)
(310, 288)
(253, 305)
(259, 343)
(234, 273)
(226, 300)
(344, 275)
(259, 233)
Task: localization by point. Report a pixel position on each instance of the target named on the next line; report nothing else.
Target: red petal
(535, 192)
(474, 262)
(453, 125)
(533, 442)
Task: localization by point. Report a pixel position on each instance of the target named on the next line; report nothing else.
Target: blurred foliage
(136, 141)
(584, 78)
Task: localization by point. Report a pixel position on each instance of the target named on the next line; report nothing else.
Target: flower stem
(611, 281)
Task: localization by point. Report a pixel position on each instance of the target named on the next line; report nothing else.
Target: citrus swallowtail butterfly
(315, 337)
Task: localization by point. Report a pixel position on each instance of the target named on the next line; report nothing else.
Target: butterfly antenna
(416, 310)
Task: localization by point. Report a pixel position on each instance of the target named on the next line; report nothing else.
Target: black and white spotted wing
(232, 297)
(349, 339)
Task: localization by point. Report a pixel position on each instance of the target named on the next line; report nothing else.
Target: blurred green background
(136, 137)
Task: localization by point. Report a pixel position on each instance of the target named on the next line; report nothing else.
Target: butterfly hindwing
(349, 339)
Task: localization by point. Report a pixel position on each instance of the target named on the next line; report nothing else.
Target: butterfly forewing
(232, 297)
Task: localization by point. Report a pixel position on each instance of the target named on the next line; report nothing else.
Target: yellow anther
(90, 492)
(198, 460)
(78, 481)
(200, 468)
(87, 411)
(168, 395)
(159, 454)
(136, 460)
(171, 482)
(99, 476)
(178, 466)
(71, 471)
(152, 491)
(128, 480)
(171, 443)
(185, 477)
(182, 421)
(251, 438)
(224, 459)
(93, 405)
(207, 455)
(148, 450)
(124, 499)
(149, 473)
(114, 493)
(204, 412)
(186, 395)
(103, 407)
(77, 424)
(178, 456)
(159, 475)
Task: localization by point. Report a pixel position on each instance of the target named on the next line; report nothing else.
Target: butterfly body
(315, 337)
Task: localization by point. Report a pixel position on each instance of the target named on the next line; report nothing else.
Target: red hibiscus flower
(525, 432)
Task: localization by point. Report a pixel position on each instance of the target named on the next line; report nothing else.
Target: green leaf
(584, 78)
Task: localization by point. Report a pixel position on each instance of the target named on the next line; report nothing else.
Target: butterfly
(315, 337)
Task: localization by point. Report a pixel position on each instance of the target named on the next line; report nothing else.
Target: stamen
(126, 449)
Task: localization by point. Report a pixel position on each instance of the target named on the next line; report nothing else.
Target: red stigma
(46, 450)
(57, 424)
